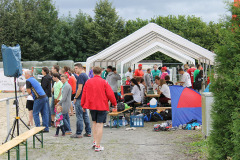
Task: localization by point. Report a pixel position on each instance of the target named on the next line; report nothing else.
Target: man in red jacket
(96, 94)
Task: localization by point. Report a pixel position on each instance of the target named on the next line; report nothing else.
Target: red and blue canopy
(186, 105)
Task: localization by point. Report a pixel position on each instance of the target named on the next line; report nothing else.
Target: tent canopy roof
(148, 40)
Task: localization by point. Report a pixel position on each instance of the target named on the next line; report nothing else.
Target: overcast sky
(208, 10)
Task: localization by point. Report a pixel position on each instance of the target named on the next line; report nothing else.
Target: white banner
(7, 83)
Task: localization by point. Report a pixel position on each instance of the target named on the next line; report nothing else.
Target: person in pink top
(96, 94)
(59, 121)
(164, 72)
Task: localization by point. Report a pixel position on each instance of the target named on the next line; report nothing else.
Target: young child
(59, 121)
(128, 81)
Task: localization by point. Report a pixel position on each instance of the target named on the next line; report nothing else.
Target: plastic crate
(136, 121)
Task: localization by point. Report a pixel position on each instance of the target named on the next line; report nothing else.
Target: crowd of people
(65, 92)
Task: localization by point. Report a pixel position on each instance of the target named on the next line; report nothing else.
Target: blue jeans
(49, 113)
(52, 105)
(81, 116)
(41, 106)
(66, 122)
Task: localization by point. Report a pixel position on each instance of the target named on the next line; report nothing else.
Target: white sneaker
(94, 144)
(99, 148)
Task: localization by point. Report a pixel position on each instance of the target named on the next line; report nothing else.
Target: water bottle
(135, 121)
(123, 121)
(141, 122)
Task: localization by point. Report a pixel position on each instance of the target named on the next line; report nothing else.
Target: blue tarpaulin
(186, 105)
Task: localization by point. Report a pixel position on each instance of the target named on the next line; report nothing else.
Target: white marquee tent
(147, 41)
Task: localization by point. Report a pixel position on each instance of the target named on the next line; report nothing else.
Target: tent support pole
(121, 74)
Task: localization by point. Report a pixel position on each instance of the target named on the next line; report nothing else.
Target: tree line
(43, 35)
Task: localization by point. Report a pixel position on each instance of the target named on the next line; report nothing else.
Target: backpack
(156, 117)
(148, 114)
(198, 82)
(120, 106)
(147, 118)
(168, 114)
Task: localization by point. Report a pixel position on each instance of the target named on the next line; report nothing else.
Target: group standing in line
(74, 89)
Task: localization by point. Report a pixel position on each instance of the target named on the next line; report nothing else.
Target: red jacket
(139, 73)
(73, 83)
(96, 94)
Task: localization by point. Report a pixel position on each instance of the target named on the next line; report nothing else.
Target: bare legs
(53, 117)
(97, 130)
(71, 110)
(30, 115)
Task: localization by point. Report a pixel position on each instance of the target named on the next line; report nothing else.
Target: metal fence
(8, 112)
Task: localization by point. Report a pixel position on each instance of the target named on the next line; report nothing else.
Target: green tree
(82, 31)
(224, 139)
(133, 25)
(107, 27)
(29, 23)
(64, 46)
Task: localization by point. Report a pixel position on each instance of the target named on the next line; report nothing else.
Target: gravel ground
(141, 144)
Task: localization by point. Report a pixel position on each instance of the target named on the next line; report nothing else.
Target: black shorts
(99, 116)
(29, 105)
(73, 95)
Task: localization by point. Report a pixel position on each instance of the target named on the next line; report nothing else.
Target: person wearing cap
(164, 72)
(139, 72)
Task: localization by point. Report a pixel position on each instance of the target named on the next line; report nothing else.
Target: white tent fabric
(145, 42)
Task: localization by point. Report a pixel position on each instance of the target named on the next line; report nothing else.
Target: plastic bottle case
(136, 121)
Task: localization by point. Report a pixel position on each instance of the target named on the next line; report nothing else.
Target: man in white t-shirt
(185, 80)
